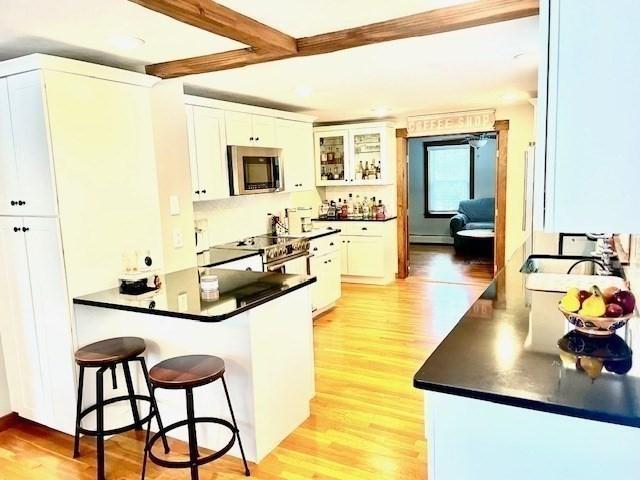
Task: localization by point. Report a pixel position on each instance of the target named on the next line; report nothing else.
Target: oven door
(255, 170)
(298, 265)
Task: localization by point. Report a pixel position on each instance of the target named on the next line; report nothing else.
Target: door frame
(501, 128)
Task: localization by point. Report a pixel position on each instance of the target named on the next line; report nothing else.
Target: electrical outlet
(183, 303)
(178, 241)
(174, 205)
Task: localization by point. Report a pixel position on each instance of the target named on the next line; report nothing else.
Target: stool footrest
(115, 431)
(200, 460)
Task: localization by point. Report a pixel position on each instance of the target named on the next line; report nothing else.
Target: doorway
(425, 219)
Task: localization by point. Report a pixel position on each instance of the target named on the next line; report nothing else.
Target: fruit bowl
(599, 326)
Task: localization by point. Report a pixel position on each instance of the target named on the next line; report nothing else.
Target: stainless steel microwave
(255, 170)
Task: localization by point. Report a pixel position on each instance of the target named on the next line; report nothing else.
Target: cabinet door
(193, 157)
(52, 317)
(211, 153)
(344, 255)
(296, 141)
(22, 346)
(31, 144)
(332, 272)
(368, 155)
(332, 158)
(239, 129)
(264, 130)
(592, 166)
(8, 173)
(317, 268)
(366, 256)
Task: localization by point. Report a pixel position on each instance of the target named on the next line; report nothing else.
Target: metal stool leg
(76, 440)
(100, 421)
(132, 400)
(146, 447)
(235, 424)
(193, 441)
(154, 403)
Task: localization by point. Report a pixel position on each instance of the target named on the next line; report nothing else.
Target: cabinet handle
(248, 269)
(16, 229)
(204, 191)
(328, 261)
(257, 139)
(331, 244)
(13, 203)
(365, 228)
(251, 139)
(25, 229)
(21, 202)
(315, 249)
(348, 241)
(198, 192)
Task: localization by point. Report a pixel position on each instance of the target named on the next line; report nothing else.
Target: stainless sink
(562, 264)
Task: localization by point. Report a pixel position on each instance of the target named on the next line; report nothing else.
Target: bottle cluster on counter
(350, 209)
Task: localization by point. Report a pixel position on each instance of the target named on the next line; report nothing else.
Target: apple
(583, 295)
(608, 294)
(613, 311)
(626, 300)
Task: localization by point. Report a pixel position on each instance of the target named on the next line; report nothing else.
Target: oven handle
(271, 268)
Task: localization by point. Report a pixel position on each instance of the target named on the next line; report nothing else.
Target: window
(448, 178)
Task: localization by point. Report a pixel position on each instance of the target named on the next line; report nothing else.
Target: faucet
(604, 249)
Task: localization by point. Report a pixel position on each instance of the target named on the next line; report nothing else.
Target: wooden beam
(402, 192)
(499, 246)
(215, 18)
(440, 20)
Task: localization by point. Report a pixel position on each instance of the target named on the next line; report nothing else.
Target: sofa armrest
(457, 223)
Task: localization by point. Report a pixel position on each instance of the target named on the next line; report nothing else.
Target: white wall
(5, 407)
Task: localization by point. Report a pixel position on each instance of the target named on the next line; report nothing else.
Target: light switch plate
(174, 205)
(178, 241)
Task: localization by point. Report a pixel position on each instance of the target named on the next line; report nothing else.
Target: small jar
(209, 283)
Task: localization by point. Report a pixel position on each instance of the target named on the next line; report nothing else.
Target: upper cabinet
(250, 130)
(296, 141)
(589, 112)
(27, 185)
(207, 153)
(358, 154)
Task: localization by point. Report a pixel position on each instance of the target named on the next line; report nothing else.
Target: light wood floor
(438, 263)
(366, 421)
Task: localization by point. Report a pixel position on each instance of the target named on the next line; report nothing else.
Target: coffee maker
(299, 220)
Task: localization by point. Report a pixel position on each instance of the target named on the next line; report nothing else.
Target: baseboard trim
(441, 239)
(8, 421)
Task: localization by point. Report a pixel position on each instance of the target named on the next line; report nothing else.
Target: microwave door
(275, 174)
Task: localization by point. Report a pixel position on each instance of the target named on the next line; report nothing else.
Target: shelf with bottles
(332, 148)
(353, 209)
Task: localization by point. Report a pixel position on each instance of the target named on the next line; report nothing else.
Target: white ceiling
(472, 68)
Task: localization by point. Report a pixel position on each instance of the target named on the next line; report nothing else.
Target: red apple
(583, 295)
(608, 294)
(626, 300)
(613, 311)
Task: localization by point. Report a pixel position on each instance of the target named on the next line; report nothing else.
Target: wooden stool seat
(187, 371)
(107, 352)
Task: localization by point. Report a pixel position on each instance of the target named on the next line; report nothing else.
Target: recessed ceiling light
(380, 111)
(124, 42)
(304, 90)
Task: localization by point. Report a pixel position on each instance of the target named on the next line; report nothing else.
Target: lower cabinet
(35, 324)
(364, 256)
(325, 265)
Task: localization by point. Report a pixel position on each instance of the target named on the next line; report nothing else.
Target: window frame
(426, 145)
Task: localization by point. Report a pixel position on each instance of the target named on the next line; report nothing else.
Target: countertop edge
(246, 254)
(190, 316)
(323, 234)
(353, 219)
(528, 404)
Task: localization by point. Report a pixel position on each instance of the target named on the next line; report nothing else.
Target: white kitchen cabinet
(325, 266)
(357, 154)
(36, 327)
(253, 264)
(590, 112)
(365, 256)
(207, 153)
(296, 141)
(247, 129)
(26, 173)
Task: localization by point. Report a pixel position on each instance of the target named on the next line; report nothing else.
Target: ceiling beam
(447, 19)
(215, 18)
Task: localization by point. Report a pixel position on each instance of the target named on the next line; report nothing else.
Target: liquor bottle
(359, 171)
(372, 208)
(366, 170)
(332, 210)
(344, 209)
(350, 206)
(378, 171)
(380, 211)
(357, 208)
(365, 209)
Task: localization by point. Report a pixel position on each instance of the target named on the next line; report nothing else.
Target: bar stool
(105, 355)
(186, 373)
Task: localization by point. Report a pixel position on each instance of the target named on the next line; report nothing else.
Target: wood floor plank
(366, 420)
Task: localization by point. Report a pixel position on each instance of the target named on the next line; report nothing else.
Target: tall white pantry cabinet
(51, 123)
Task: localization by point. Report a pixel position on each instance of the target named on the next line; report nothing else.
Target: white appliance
(255, 170)
(299, 220)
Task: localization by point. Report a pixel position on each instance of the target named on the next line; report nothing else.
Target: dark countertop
(218, 256)
(316, 233)
(352, 219)
(239, 292)
(507, 349)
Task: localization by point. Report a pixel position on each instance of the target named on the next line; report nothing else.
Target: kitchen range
(281, 254)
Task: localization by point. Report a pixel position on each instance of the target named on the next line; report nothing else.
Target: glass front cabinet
(357, 154)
